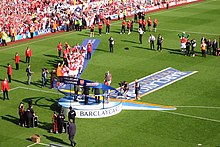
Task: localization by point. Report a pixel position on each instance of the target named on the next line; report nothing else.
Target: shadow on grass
(87, 35)
(101, 50)
(130, 41)
(11, 118)
(52, 56)
(55, 139)
(20, 81)
(144, 48)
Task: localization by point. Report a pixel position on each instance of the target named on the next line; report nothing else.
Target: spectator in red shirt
(89, 50)
(100, 28)
(5, 88)
(107, 26)
(28, 54)
(9, 72)
(123, 24)
(17, 60)
(59, 48)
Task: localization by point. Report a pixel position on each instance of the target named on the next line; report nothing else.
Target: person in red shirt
(17, 60)
(92, 27)
(144, 25)
(100, 28)
(149, 24)
(28, 54)
(5, 88)
(155, 25)
(123, 24)
(129, 26)
(9, 72)
(59, 49)
(107, 26)
(89, 50)
(140, 22)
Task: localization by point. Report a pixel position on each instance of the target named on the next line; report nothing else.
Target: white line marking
(191, 116)
(44, 144)
(187, 31)
(13, 89)
(171, 30)
(32, 144)
(38, 40)
(39, 90)
(203, 107)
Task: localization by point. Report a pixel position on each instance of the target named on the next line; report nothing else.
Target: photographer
(44, 76)
(125, 88)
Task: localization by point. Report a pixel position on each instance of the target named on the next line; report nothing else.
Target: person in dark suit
(72, 132)
(86, 93)
(97, 94)
(29, 116)
(111, 44)
(60, 121)
(71, 114)
(214, 47)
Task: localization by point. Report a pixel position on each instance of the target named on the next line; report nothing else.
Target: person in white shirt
(140, 34)
(151, 41)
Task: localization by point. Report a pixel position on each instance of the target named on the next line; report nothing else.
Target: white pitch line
(13, 89)
(191, 116)
(203, 107)
(39, 40)
(39, 90)
(171, 30)
(32, 144)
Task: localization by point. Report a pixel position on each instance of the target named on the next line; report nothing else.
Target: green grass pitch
(184, 127)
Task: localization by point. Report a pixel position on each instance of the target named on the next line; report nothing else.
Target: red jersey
(183, 40)
(17, 58)
(89, 47)
(59, 46)
(149, 22)
(28, 52)
(107, 23)
(140, 22)
(100, 25)
(155, 21)
(144, 23)
(92, 27)
(5, 85)
(9, 71)
(129, 24)
(123, 23)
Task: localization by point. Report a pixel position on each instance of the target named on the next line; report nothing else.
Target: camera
(121, 84)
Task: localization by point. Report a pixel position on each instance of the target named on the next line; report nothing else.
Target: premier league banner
(156, 81)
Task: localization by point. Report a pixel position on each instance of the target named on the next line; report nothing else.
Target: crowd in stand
(19, 17)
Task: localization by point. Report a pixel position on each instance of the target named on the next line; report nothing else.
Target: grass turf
(129, 128)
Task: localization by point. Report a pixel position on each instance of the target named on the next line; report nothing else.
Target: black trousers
(32, 34)
(5, 94)
(71, 138)
(100, 31)
(140, 38)
(28, 59)
(9, 78)
(159, 46)
(111, 48)
(151, 44)
(88, 55)
(17, 66)
(123, 29)
(107, 29)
